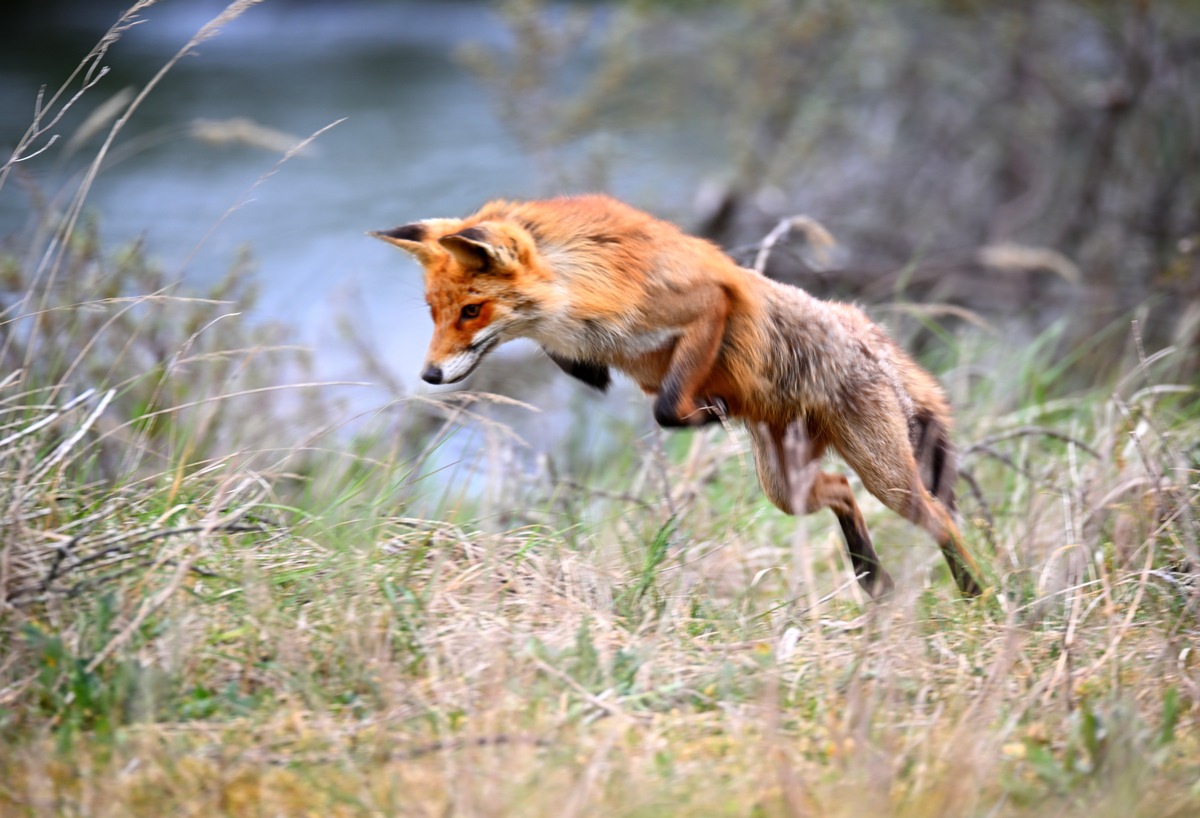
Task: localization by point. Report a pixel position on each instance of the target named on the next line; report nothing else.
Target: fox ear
(409, 237)
(476, 251)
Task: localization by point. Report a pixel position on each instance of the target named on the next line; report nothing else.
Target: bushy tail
(930, 432)
(935, 455)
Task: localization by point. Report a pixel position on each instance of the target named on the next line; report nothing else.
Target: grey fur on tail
(935, 457)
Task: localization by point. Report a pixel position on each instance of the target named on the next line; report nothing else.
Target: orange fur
(599, 284)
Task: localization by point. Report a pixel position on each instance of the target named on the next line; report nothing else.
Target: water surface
(420, 138)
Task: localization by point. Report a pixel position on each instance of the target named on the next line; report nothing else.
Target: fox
(600, 285)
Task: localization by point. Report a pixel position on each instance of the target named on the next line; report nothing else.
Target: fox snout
(452, 365)
(449, 370)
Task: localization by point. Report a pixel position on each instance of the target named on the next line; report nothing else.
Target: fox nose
(432, 374)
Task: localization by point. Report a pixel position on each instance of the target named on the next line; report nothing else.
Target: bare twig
(1030, 431)
(68, 444)
(985, 509)
(819, 239)
(1000, 456)
(46, 421)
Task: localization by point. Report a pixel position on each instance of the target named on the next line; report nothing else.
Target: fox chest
(643, 354)
(603, 342)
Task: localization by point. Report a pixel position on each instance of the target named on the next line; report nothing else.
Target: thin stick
(50, 418)
(1027, 431)
(660, 459)
(990, 531)
(69, 443)
(820, 239)
(245, 197)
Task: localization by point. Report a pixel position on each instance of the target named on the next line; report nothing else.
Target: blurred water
(420, 139)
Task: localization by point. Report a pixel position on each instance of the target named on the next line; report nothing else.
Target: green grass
(218, 596)
(271, 643)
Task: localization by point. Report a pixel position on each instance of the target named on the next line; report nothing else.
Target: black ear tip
(406, 232)
(470, 234)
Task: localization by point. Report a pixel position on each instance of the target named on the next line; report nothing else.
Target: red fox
(600, 285)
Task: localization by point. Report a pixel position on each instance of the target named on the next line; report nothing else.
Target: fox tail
(929, 430)
(935, 455)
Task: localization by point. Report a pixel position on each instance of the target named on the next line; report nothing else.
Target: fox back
(593, 281)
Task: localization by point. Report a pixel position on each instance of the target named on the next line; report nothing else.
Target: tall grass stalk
(216, 602)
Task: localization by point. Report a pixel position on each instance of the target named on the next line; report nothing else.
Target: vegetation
(219, 598)
(1032, 158)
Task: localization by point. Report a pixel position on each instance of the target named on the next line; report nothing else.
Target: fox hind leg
(833, 491)
(786, 460)
(877, 446)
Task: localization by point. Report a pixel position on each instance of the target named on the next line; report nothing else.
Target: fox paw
(710, 411)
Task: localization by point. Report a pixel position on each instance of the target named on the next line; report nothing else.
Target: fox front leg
(678, 403)
(710, 409)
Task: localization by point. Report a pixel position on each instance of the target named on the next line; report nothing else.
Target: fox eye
(471, 311)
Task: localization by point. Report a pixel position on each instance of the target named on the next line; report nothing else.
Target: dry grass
(561, 652)
(216, 603)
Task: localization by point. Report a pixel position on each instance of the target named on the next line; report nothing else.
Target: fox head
(480, 285)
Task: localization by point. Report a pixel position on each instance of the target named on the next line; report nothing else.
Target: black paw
(712, 410)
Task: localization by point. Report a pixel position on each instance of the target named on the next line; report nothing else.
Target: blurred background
(1029, 170)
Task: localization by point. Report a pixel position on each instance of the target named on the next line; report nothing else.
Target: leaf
(1170, 716)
